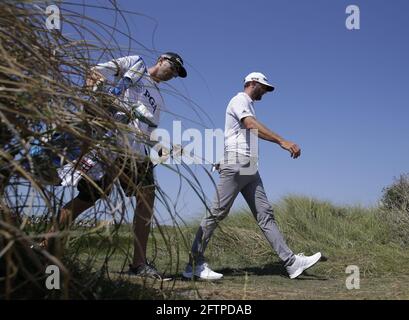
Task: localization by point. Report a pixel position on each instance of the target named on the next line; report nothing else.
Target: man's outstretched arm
(266, 134)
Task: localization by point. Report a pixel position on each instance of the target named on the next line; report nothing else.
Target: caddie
(137, 87)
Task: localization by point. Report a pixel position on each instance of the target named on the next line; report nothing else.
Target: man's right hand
(291, 147)
(94, 78)
(122, 85)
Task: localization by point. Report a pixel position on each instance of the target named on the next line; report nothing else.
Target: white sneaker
(201, 271)
(302, 263)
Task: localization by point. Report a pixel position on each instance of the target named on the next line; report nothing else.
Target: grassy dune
(367, 238)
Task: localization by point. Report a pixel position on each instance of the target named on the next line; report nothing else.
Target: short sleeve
(136, 71)
(108, 69)
(131, 66)
(241, 108)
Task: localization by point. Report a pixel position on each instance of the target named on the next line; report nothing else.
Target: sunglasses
(173, 66)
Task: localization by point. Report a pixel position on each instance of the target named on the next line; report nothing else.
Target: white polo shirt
(143, 90)
(236, 136)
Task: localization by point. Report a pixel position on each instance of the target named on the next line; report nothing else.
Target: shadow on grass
(270, 269)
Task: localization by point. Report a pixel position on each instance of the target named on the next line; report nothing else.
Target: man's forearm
(265, 133)
(270, 136)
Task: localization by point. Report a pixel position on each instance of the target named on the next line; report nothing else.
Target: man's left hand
(291, 147)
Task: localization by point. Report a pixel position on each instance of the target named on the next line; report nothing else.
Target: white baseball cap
(260, 78)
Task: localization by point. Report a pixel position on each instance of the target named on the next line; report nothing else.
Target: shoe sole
(150, 278)
(130, 273)
(300, 271)
(166, 279)
(190, 276)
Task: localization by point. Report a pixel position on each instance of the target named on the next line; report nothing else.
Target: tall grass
(345, 236)
(42, 76)
(43, 92)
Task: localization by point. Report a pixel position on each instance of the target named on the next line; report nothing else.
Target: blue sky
(342, 95)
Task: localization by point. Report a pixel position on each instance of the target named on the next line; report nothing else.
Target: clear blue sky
(342, 95)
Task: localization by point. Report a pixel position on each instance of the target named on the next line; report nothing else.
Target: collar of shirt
(247, 97)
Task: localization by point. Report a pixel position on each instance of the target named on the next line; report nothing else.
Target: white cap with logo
(260, 78)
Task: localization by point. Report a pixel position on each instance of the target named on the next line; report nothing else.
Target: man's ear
(250, 84)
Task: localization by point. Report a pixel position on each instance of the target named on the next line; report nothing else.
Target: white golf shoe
(302, 263)
(201, 271)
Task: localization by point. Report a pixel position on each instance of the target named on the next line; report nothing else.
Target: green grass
(345, 236)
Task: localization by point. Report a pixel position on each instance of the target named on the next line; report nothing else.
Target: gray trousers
(235, 178)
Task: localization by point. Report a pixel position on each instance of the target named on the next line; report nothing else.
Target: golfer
(239, 173)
